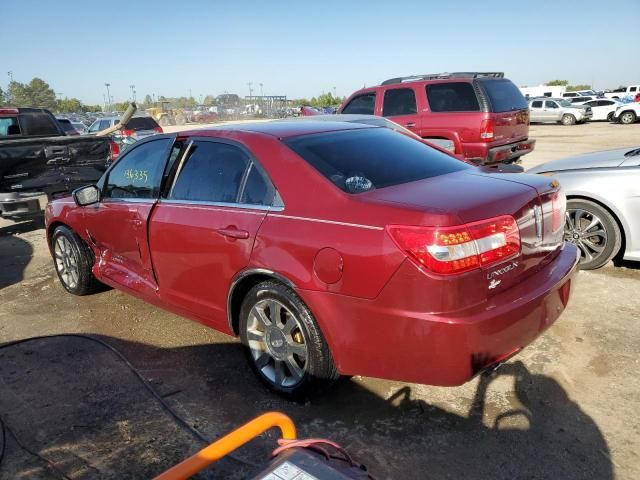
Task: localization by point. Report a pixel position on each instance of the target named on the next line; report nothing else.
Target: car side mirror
(86, 195)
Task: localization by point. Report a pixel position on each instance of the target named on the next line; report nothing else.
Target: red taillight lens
(158, 129)
(486, 129)
(127, 132)
(114, 151)
(449, 250)
(559, 206)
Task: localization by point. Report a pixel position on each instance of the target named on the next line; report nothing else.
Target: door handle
(410, 124)
(233, 232)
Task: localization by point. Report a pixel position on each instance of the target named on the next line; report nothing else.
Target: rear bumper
(13, 205)
(376, 338)
(511, 152)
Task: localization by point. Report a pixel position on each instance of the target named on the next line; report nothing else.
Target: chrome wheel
(277, 343)
(587, 232)
(66, 262)
(628, 117)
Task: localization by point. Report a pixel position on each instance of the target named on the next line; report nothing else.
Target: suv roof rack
(437, 76)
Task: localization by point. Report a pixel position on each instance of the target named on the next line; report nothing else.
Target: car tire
(568, 119)
(610, 116)
(627, 117)
(73, 260)
(283, 342)
(594, 231)
(163, 121)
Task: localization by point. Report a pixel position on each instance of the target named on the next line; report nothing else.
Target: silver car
(546, 109)
(603, 203)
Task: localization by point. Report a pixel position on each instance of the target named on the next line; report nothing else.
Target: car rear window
(141, 123)
(39, 124)
(6, 123)
(503, 95)
(452, 97)
(66, 125)
(365, 159)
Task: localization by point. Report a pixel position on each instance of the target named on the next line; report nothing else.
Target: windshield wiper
(632, 153)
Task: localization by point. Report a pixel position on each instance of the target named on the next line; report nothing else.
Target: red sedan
(328, 248)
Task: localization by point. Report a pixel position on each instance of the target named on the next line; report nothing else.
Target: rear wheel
(610, 117)
(594, 231)
(283, 342)
(73, 261)
(627, 118)
(163, 121)
(568, 119)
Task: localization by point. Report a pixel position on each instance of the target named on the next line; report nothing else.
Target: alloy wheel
(66, 262)
(277, 343)
(587, 232)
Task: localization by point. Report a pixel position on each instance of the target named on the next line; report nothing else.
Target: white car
(603, 108)
(627, 113)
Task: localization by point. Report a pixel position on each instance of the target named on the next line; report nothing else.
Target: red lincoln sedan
(329, 248)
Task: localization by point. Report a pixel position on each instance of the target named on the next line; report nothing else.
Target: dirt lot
(566, 408)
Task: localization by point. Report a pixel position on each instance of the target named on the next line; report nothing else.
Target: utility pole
(133, 92)
(250, 90)
(108, 95)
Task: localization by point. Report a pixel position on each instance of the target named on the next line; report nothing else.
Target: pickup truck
(621, 93)
(37, 158)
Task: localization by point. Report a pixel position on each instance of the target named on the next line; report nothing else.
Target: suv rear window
(503, 95)
(141, 123)
(452, 97)
(362, 104)
(365, 159)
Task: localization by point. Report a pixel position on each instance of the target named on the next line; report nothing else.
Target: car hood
(604, 159)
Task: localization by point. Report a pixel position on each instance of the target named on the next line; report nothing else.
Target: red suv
(479, 116)
(328, 247)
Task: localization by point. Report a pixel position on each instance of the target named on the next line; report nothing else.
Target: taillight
(486, 129)
(449, 250)
(127, 132)
(158, 129)
(114, 151)
(559, 208)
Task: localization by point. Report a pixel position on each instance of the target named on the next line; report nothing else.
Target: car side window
(258, 190)
(452, 97)
(212, 172)
(138, 173)
(633, 89)
(536, 104)
(549, 104)
(592, 103)
(104, 124)
(95, 127)
(399, 101)
(362, 104)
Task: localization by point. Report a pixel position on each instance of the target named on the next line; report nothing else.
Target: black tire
(319, 370)
(596, 249)
(628, 117)
(84, 282)
(568, 119)
(610, 117)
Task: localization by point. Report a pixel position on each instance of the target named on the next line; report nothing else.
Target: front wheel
(594, 231)
(568, 119)
(73, 261)
(627, 118)
(610, 117)
(284, 343)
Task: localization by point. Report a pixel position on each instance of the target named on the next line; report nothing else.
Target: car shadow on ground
(15, 253)
(77, 404)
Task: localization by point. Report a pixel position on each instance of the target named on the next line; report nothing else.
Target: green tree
(558, 83)
(91, 108)
(120, 106)
(70, 105)
(2, 97)
(573, 88)
(209, 100)
(148, 101)
(36, 93)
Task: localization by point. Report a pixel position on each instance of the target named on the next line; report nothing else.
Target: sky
(303, 48)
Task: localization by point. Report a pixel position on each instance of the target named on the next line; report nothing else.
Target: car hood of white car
(604, 159)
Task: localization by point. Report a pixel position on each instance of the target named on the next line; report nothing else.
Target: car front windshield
(564, 103)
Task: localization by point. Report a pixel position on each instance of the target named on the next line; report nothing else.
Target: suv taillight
(158, 129)
(127, 132)
(559, 208)
(451, 250)
(486, 129)
(114, 151)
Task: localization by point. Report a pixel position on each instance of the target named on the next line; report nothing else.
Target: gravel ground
(565, 408)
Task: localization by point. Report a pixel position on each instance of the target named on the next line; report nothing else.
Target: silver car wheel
(587, 232)
(627, 118)
(66, 262)
(277, 343)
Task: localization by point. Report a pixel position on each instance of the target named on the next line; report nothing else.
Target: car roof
(281, 129)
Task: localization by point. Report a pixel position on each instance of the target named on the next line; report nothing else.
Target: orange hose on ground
(229, 443)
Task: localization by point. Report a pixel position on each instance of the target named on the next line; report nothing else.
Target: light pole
(334, 92)
(108, 95)
(133, 92)
(250, 90)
